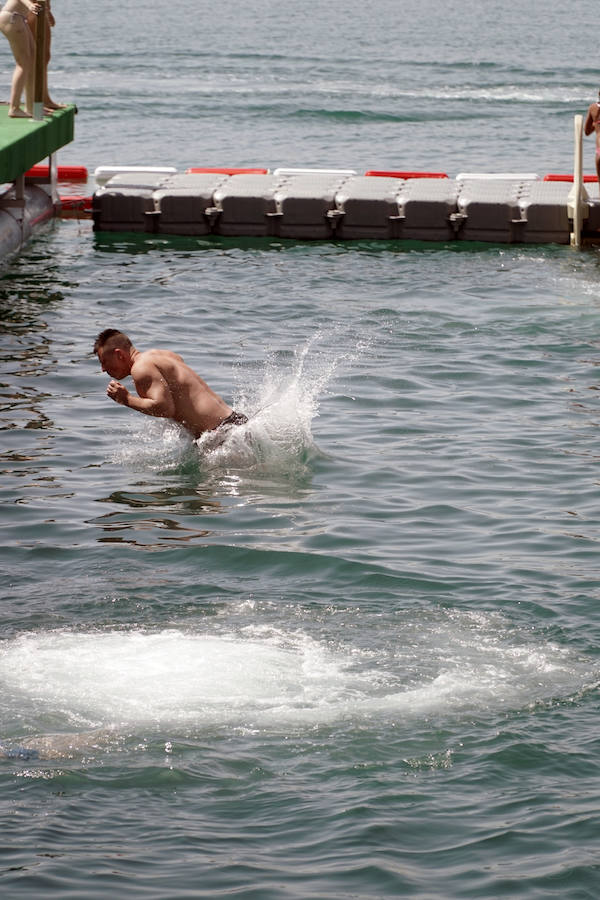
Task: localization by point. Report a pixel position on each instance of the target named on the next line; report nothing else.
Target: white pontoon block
(104, 173)
(498, 176)
(290, 172)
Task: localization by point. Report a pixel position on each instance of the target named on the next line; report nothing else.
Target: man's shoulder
(145, 361)
(153, 356)
(157, 362)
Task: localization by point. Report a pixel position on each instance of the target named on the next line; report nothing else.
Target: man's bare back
(166, 386)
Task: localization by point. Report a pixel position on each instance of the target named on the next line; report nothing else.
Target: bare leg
(22, 46)
(598, 167)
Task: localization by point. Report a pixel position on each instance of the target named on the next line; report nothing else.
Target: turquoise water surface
(354, 653)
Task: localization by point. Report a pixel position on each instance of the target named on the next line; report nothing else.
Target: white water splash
(271, 680)
(281, 405)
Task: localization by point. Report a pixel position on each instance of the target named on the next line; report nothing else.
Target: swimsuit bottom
(216, 437)
(13, 14)
(235, 418)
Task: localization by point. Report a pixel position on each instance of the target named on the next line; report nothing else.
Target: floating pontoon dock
(342, 205)
(23, 143)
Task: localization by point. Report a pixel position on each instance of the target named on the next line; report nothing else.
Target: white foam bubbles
(271, 679)
(168, 677)
(282, 404)
(154, 445)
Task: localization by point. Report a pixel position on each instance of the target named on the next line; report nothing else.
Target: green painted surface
(24, 142)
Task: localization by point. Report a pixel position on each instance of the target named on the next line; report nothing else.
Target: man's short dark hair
(114, 338)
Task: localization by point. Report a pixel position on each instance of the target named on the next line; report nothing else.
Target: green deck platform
(24, 142)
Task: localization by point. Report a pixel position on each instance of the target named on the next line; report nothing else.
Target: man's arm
(155, 398)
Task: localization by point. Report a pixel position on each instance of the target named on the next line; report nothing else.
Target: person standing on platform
(14, 27)
(592, 124)
(49, 104)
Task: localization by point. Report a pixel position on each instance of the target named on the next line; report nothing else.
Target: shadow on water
(140, 511)
(168, 507)
(134, 243)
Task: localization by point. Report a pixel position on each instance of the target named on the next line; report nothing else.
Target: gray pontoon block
(491, 210)
(122, 209)
(244, 205)
(306, 206)
(134, 180)
(545, 209)
(183, 200)
(426, 205)
(369, 208)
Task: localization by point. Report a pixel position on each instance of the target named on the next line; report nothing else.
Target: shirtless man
(13, 25)
(166, 386)
(592, 123)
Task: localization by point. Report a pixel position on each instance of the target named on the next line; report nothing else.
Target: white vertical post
(577, 196)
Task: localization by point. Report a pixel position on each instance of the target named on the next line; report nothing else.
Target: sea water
(354, 650)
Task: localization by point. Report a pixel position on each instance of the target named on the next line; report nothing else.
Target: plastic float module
(306, 203)
(245, 205)
(314, 172)
(544, 212)
(183, 203)
(321, 204)
(488, 209)
(105, 173)
(126, 201)
(368, 208)
(497, 176)
(428, 208)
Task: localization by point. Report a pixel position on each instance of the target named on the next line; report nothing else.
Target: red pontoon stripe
(407, 174)
(226, 170)
(64, 173)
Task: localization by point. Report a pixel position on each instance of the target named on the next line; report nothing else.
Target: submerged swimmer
(166, 386)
